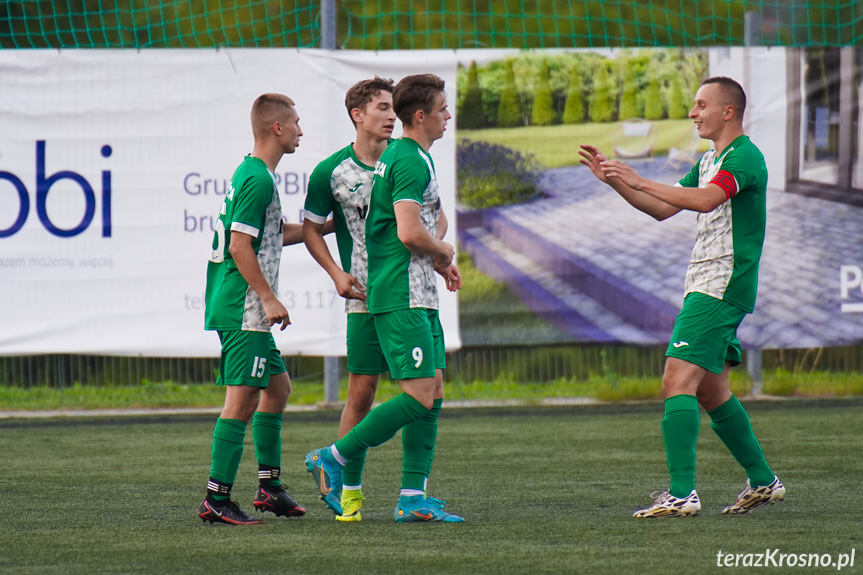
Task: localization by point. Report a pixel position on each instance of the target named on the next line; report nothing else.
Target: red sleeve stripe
(726, 181)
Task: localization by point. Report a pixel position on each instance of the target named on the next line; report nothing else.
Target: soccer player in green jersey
(341, 185)
(728, 190)
(242, 306)
(403, 228)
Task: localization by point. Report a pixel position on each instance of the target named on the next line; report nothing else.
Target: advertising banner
(113, 167)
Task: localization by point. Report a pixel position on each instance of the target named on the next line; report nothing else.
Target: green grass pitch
(544, 490)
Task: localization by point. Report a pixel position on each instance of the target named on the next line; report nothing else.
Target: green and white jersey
(252, 206)
(398, 278)
(341, 185)
(724, 261)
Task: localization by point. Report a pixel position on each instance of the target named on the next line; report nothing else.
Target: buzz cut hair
(362, 93)
(732, 93)
(267, 109)
(414, 93)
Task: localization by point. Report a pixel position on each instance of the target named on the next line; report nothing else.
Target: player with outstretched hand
(402, 234)
(728, 190)
(242, 305)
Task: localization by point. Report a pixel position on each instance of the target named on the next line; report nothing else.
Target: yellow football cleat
(352, 503)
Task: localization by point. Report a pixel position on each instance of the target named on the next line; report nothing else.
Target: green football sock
(680, 432)
(228, 438)
(352, 472)
(267, 435)
(380, 425)
(731, 424)
(436, 409)
(418, 443)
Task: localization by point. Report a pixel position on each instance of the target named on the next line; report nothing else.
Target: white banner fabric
(113, 166)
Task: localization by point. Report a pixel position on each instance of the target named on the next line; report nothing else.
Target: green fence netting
(406, 24)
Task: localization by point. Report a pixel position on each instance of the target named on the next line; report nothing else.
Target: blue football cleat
(418, 509)
(328, 477)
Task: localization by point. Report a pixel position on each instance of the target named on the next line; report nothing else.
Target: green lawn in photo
(544, 490)
(557, 146)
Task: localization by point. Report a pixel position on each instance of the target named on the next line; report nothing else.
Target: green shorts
(705, 333)
(412, 342)
(248, 358)
(365, 355)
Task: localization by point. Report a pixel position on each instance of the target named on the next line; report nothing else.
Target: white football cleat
(667, 505)
(751, 499)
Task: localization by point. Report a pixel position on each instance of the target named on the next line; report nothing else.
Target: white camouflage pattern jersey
(423, 282)
(727, 251)
(341, 184)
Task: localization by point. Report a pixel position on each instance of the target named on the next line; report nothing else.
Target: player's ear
(419, 116)
(356, 114)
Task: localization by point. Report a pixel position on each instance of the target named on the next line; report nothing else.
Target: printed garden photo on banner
(563, 259)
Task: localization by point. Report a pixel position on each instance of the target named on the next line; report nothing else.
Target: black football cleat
(276, 500)
(229, 513)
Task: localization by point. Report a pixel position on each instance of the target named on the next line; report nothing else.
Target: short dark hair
(361, 93)
(269, 108)
(732, 92)
(414, 93)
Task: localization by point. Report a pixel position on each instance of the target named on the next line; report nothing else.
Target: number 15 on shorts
(259, 366)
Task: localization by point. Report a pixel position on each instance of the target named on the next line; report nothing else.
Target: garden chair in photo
(633, 139)
(685, 149)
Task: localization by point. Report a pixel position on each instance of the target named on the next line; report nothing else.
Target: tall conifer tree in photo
(653, 101)
(543, 107)
(509, 111)
(471, 115)
(600, 97)
(628, 88)
(573, 111)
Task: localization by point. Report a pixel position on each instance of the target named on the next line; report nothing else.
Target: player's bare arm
(594, 159)
(591, 157)
(442, 225)
(695, 199)
(451, 276)
(293, 233)
(346, 285)
(247, 263)
(413, 234)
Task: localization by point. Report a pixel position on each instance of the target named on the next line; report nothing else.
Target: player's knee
(240, 407)
(280, 388)
(362, 390)
(668, 386)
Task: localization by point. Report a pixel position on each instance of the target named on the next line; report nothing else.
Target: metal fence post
(752, 29)
(328, 24)
(753, 366)
(752, 37)
(328, 42)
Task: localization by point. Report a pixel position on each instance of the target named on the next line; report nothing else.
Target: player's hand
(452, 277)
(277, 313)
(619, 171)
(444, 260)
(592, 158)
(349, 287)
